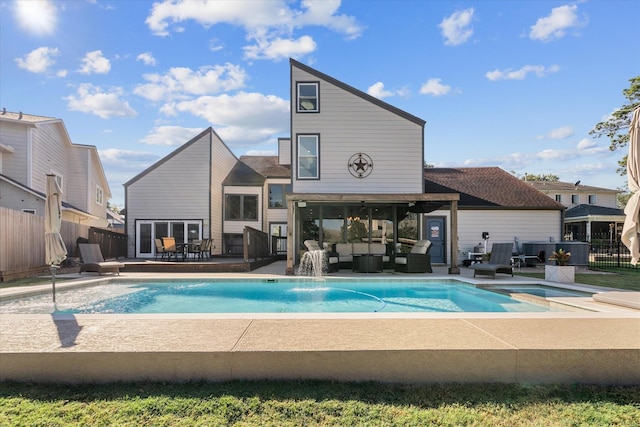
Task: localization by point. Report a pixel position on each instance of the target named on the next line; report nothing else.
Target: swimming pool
(540, 291)
(274, 296)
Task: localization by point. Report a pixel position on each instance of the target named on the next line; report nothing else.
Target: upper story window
(308, 98)
(240, 207)
(308, 157)
(99, 195)
(575, 199)
(277, 193)
(592, 199)
(559, 198)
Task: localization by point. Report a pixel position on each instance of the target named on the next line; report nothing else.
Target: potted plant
(560, 272)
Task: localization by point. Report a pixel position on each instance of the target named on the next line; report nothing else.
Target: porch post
(453, 268)
(290, 244)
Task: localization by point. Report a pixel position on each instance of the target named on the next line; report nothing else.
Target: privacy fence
(22, 242)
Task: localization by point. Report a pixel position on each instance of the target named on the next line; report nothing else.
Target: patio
(601, 347)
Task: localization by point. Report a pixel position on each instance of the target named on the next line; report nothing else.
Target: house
(349, 172)
(32, 147)
(592, 212)
(492, 201)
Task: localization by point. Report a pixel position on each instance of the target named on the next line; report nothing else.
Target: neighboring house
(32, 147)
(592, 213)
(492, 201)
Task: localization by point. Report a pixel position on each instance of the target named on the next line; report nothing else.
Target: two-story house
(592, 212)
(31, 147)
(351, 170)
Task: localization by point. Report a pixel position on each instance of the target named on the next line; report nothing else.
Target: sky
(512, 84)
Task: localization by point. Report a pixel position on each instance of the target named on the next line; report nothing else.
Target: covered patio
(334, 218)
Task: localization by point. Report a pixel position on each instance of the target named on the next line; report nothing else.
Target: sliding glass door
(147, 230)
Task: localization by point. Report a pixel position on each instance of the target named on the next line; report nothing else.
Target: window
(575, 199)
(308, 157)
(29, 211)
(99, 195)
(592, 199)
(308, 98)
(559, 198)
(277, 193)
(241, 207)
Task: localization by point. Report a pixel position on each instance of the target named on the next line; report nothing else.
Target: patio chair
(170, 248)
(499, 261)
(192, 249)
(205, 249)
(416, 261)
(93, 261)
(159, 249)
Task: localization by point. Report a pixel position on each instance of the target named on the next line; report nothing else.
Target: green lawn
(621, 278)
(312, 403)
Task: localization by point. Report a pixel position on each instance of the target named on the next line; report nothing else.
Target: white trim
(317, 156)
(30, 157)
(99, 192)
(299, 97)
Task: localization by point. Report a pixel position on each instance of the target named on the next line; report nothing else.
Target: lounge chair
(93, 261)
(499, 261)
(205, 249)
(416, 261)
(159, 249)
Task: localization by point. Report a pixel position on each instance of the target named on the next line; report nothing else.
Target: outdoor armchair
(416, 261)
(159, 249)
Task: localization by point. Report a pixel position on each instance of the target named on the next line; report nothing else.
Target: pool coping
(573, 347)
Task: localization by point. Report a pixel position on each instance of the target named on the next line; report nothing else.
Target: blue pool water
(274, 296)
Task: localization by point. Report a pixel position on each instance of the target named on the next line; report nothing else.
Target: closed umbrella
(631, 228)
(55, 250)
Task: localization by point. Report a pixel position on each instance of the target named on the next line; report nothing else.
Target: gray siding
(14, 164)
(349, 124)
(222, 161)
(49, 153)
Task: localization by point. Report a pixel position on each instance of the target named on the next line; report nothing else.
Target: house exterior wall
(50, 149)
(223, 161)
(14, 165)
(277, 214)
(284, 151)
(13, 197)
(348, 124)
(607, 198)
(178, 188)
(237, 227)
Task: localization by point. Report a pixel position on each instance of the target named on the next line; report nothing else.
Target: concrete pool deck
(601, 346)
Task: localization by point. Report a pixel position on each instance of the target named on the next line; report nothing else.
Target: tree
(616, 125)
(548, 177)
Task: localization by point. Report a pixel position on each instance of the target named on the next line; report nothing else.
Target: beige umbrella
(55, 250)
(631, 228)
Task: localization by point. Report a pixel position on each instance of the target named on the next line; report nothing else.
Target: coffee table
(367, 263)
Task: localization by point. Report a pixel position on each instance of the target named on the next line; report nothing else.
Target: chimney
(4, 110)
(20, 115)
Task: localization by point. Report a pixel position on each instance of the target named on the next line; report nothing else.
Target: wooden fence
(22, 242)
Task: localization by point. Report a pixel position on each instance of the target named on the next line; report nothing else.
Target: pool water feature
(540, 291)
(274, 296)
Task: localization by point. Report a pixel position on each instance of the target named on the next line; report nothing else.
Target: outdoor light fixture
(302, 204)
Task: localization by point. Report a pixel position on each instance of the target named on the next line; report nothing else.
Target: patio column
(453, 268)
(290, 271)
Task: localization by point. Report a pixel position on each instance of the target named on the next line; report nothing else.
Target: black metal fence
(609, 252)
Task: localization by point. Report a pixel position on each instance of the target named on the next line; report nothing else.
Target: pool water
(274, 296)
(541, 291)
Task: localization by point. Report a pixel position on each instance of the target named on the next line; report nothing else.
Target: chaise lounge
(499, 261)
(93, 261)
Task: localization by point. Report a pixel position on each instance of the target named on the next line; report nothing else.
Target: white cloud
(269, 23)
(38, 17)
(456, 29)
(38, 60)
(559, 133)
(510, 74)
(94, 62)
(435, 87)
(170, 135)
(92, 99)
(278, 48)
(117, 156)
(62, 73)
(377, 91)
(586, 143)
(147, 58)
(243, 119)
(180, 82)
(555, 25)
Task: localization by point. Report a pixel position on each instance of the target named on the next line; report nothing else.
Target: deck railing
(255, 243)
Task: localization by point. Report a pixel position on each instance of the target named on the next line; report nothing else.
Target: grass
(309, 403)
(620, 278)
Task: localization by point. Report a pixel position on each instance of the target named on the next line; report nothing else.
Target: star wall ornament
(360, 165)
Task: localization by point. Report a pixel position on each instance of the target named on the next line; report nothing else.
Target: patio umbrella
(55, 250)
(631, 228)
